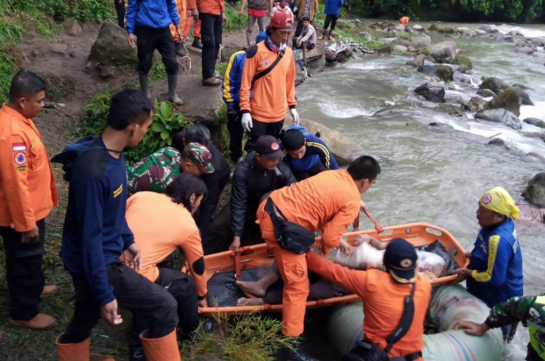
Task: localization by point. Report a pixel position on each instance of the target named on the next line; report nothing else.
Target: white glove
(246, 121)
(295, 116)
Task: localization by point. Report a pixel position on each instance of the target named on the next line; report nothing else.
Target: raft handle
(434, 231)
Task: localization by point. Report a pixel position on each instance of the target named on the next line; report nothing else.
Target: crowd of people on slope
(122, 224)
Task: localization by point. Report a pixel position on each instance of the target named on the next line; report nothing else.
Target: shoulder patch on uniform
(20, 158)
(251, 51)
(198, 266)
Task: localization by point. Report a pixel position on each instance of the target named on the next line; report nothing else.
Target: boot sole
(12, 321)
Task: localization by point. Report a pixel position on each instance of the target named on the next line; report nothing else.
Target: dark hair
(178, 141)
(292, 139)
(364, 167)
(25, 84)
(128, 106)
(197, 133)
(305, 18)
(181, 189)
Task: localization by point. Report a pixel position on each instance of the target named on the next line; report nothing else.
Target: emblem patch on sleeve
(20, 158)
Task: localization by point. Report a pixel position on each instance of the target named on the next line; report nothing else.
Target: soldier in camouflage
(529, 310)
(155, 172)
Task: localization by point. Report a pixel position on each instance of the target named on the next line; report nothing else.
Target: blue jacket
(333, 7)
(316, 151)
(233, 78)
(497, 264)
(95, 231)
(156, 14)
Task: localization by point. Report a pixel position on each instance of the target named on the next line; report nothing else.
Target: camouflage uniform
(531, 311)
(155, 172)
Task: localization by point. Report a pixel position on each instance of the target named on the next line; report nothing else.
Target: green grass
(234, 21)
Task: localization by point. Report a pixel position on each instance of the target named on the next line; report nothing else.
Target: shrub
(234, 21)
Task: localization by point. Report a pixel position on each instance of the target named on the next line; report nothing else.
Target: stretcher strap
(238, 273)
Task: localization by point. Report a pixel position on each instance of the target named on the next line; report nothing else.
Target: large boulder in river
(343, 148)
(486, 28)
(417, 61)
(477, 104)
(535, 190)
(508, 99)
(495, 84)
(421, 41)
(524, 97)
(444, 52)
(464, 62)
(432, 91)
(535, 121)
(444, 72)
(500, 116)
(486, 93)
(111, 47)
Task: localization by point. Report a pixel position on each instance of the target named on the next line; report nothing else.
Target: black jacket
(215, 182)
(250, 183)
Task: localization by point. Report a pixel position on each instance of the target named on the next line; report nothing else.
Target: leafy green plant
(158, 71)
(221, 68)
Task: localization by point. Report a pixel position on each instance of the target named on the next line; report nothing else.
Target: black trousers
(150, 304)
(332, 19)
(299, 28)
(236, 133)
(307, 44)
(148, 40)
(318, 167)
(220, 235)
(120, 11)
(211, 31)
(261, 128)
(24, 273)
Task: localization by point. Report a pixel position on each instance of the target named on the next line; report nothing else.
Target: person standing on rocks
(257, 11)
(269, 72)
(306, 8)
(27, 195)
(212, 16)
(149, 21)
(332, 10)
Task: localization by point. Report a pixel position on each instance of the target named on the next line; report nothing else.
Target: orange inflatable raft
(259, 256)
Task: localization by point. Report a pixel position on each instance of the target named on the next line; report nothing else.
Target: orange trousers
(196, 31)
(293, 269)
(182, 13)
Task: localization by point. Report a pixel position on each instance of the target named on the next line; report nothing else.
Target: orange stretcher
(258, 256)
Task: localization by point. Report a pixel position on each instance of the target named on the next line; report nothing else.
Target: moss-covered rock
(464, 62)
(426, 51)
(509, 100)
(444, 72)
(495, 84)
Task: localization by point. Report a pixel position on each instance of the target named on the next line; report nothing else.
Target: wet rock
(421, 41)
(521, 86)
(498, 142)
(366, 36)
(330, 55)
(462, 78)
(341, 24)
(534, 192)
(497, 36)
(400, 49)
(477, 104)
(464, 62)
(535, 135)
(228, 50)
(428, 70)
(453, 109)
(72, 27)
(500, 116)
(395, 109)
(399, 27)
(508, 99)
(417, 61)
(111, 48)
(524, 50)
(444, 72)
(480, 32)
(434, 27)
(444, 52)
(454, 99)
(486, 93)
(316, 65)
(486, 28)
(402, 42)
(463, 30)
(411, 48)
(508, 38)
(495, 84)
(524, 97)
(417, 27)
(432, 91)
(343, 148)
(385, 50)
(535, 121)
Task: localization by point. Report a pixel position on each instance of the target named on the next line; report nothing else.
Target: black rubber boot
(180, 50)
(197, 43)
(297, 354)
(136, 352)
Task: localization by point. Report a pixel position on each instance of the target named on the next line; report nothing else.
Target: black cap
(400, 260)
(268, 146)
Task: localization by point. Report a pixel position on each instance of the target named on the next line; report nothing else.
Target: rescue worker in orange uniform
(327, 202)
(212, 18)
(181, 7)
(274, 92)
(162, 223)
(27, 195)
(383, 295)
(404, 20)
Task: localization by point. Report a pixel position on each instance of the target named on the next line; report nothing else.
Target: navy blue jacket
(95, 230)
(156, 14)
(496, 262)
(333, 7)
(316, 151)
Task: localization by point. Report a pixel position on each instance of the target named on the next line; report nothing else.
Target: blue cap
(260, 37)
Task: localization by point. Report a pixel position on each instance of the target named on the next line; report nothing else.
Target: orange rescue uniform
(160, 226)
(214, 7)
(273, 93)
(329, 202)
(404, 20)
(383, 302)
(27, 183)
(182, 13)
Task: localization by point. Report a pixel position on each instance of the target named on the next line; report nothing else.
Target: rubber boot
(322, 37)
(161, 349)
(297, 354)
(197, 43)
(144, 84)
(180, 50)
(331, 35)
(172, 84)
(74, 351)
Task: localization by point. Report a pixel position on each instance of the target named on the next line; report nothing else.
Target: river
(437, 174)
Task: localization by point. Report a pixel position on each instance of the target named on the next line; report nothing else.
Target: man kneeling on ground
(162, 223)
